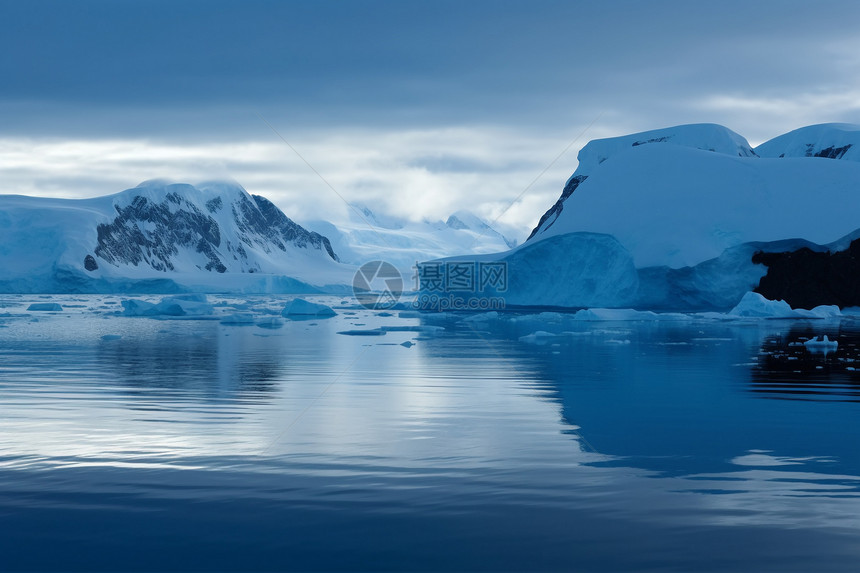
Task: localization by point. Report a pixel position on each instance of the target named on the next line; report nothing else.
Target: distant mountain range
(212, 237)
(370, 236)
(684, 218)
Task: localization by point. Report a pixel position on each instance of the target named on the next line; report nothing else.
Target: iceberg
(821, 344)
(300, 307)
(170, 306)
(677, 219)
(45, 307)
(754, 305)
(238, 318)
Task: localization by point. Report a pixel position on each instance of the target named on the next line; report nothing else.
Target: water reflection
(205, 445)
(790, 370)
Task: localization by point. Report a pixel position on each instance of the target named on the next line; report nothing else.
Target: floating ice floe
(821, 344)
(622, 314)
(823, 311)
(270, 322)
(482, 316)
(374, 332)
(424, 328)
(45, 307)
(537, 337)
(754, 305)
(238, 318)
(183, 305)
(300, 307)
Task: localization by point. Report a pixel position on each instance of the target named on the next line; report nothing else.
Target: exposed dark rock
(90, 263)
(214, 205)
(805, 278)
(552, 214)
(828, 152)
(152, 233)
(123, 242)
(833, 152)
(270, 222)
(652, 140)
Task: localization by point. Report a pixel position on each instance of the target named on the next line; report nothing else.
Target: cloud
(402, 172)
(422, 108)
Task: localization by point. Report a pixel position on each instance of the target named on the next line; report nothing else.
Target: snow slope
(705, 137)
(688, 207)
(160, 236)
(826, 140)
(371, 236)
(678, 206)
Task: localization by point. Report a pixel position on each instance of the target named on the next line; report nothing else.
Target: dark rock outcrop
(152, 233)
(90, 263)
(805, 278)
(123, 241)
(552, 214)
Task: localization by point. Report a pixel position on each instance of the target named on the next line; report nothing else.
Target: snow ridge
(826, 140)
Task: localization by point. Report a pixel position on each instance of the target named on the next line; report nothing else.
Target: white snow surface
(702, 136)
(677, 207)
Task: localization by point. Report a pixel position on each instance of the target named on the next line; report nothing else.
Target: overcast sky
(419, 108)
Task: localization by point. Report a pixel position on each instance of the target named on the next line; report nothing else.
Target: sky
(413, 108)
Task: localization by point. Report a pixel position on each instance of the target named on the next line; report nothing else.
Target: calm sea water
(146, 444)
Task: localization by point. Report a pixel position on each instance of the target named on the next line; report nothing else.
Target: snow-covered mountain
(672, 218)
(160, 236)
(369, 235)
(826, 140)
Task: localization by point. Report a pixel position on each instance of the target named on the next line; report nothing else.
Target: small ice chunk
(601, 314)
(300, 307)
(191, 297)
(537, 337)
(362, 332)
(271, 322)
(754, 305)
(425, 328)
(45, 307)
(823, 311)
(483, 316)
(170, 306)
(821, 344)
(238, 318)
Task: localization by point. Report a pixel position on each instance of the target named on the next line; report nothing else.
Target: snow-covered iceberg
(673, 219)
(187, 305)
(301, 308)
